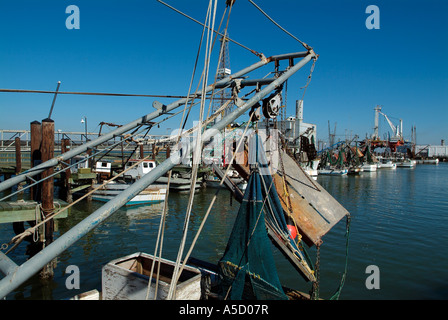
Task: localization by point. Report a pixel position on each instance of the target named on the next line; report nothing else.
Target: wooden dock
(20, 211)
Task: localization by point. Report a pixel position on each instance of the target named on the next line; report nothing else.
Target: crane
(398, 131)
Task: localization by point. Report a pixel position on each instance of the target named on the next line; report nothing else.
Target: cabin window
(151, 165)
(145, 165)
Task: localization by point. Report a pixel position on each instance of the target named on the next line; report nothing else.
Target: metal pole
(54, 100)
(34, 264)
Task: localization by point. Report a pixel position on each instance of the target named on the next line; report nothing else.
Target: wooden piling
(142, 155)
(168, 151)
(65, 146)
(18, 159)
(36, 156)
(18, 156)
(47, 193)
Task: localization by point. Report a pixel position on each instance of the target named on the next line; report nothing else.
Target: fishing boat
(406, 163)
(369, 167)
(151, 194)
(428, 161)
(354, 170)
(328, 171)
(312, 168)
(388, 164)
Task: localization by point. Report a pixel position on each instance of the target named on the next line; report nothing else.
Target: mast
(223, 72)
(375, 128)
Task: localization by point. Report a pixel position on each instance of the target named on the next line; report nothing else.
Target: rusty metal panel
(315, 211)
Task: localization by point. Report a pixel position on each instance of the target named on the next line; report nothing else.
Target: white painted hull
(369, 167)
(388, 165)
(407, 164)
(152, 194)
(333, 172)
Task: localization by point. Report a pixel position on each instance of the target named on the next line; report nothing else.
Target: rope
(160, 237)
(93, 93)
(197, 153)
(344, 275)
(213, 200)
(260, 55)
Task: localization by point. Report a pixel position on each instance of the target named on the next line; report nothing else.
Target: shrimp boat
(284, 207)
(388, 164)
(368, 167)
(329, 171)
(407, 163)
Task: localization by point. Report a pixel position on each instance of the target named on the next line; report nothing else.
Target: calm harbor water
(399, 220)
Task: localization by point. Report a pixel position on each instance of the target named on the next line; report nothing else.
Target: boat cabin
(103, 169)
(80, 164)
(141, 169)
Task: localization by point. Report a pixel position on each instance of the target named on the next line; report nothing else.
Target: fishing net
(247, 269)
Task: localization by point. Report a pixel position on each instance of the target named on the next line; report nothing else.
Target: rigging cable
(198, 147)
(260, 55)
(160, 235)
(306, 46)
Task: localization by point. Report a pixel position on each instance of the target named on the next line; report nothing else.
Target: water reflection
(399, 220)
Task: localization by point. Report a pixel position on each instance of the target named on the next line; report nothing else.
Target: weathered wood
(142, 155)
(127, 279)
(314, 210)
(36, 156)
(65, 146)
(18, 156)
(47, 150)
(21, 211)
(47, 192)
(85, 186)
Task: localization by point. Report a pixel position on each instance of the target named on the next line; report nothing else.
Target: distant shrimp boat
(369, 167)
(407, 163)
(388, 164)
(333, 172)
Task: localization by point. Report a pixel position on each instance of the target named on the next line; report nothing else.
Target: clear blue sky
(143, 47)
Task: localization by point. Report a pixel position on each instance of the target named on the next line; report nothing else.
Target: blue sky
(143, 47)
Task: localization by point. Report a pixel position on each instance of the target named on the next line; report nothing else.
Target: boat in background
(355, 170)
(388, 164)
(332, 171)
(152, 194)
(369, 167)
(406, 163)
(428, 161)
(311, 169)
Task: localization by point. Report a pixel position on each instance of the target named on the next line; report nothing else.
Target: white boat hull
(369, 167)
(388, 165)
(152, 194)
(407, 164)
(333, 172)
